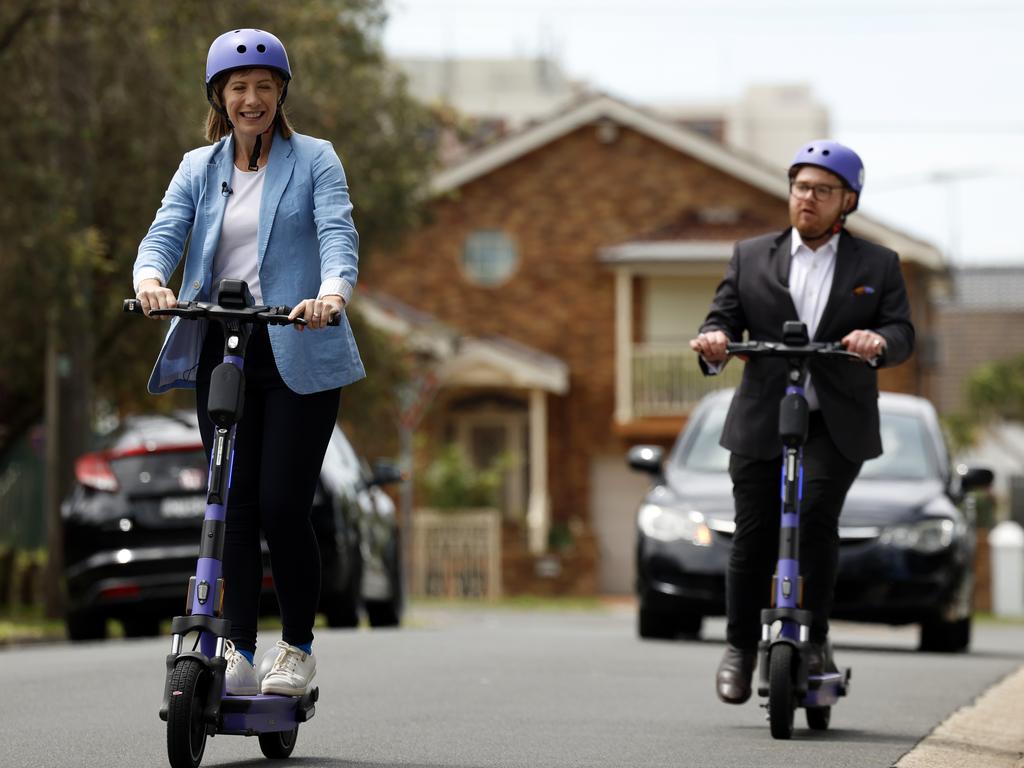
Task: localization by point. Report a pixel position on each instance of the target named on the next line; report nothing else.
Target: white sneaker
(292, 671)
(240, 677)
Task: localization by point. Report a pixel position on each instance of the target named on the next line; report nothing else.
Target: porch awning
(464, 360)
(495, 361)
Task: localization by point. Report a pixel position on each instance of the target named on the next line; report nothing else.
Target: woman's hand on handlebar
(152, 295)
(711, 346)
(317, 312)
(868, 344)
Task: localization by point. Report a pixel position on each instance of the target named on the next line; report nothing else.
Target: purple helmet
(835, 158)
(245, 48)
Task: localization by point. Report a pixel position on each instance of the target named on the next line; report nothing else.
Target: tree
(997, 389)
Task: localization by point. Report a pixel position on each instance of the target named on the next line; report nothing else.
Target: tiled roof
(988, 288)
(712, 224)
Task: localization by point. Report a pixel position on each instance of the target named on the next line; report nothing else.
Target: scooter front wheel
(279, 745)
(781, 690)
(186, 729)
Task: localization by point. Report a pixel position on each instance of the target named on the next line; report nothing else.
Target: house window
(489, 257)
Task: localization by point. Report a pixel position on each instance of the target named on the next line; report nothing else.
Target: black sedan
(133, 519)
(907, 534)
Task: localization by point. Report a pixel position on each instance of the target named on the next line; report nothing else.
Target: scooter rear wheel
(279, 745)
(186, 729)
(818, 718)
(781, 693)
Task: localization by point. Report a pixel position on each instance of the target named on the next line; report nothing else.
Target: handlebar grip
(134, 306)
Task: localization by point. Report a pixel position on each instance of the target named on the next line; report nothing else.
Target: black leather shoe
(732, 681)
(819, 659)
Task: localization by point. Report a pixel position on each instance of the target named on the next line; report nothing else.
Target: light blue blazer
(305, 236)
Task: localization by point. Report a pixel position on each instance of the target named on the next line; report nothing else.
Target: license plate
(181, 507)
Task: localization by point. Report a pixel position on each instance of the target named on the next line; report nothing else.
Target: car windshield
(905, 450)
(906, 454)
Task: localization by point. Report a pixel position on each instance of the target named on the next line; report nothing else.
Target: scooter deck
(825, 690)
(252, 715)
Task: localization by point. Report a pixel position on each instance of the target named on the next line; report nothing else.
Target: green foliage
(106, 98)
(997, 389)
(451, 482)
(993, 391)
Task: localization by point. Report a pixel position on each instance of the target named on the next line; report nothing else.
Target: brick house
(572, 261)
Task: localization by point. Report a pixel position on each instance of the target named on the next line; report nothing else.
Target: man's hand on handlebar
(711, 346)
(317, 312)
(867, 344)
(152, 295)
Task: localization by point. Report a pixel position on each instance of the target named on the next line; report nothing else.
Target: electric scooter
(785, 632)
(195, 704)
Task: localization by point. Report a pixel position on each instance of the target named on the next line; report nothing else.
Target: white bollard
(1006, 545)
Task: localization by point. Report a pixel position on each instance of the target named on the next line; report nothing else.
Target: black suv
(132, 525)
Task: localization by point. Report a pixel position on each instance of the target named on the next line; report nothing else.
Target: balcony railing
(667, 380)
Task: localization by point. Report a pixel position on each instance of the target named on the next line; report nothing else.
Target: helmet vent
(261, 48)
(825, 152)
(240, 49)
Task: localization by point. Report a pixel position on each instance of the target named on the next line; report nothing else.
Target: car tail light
(121, 592)
(93, 471)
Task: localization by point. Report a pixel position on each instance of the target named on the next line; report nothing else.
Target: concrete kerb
(989, 733)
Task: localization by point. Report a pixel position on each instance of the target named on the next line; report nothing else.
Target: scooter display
(195, 704)
(785, 634)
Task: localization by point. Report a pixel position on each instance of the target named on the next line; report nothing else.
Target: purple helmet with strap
(835, 158)
(245, 49)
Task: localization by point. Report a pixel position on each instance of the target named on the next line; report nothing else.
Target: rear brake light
(93, 471)
(120, 593)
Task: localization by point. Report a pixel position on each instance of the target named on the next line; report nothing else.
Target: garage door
(615, 493)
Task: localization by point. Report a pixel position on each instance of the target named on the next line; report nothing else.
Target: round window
(489, 257)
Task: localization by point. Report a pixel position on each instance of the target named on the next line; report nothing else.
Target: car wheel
(938, 636)
(653, 625)
(341, 609)
(383, 613)
(141, 626)
(86, 625)
(690, 625)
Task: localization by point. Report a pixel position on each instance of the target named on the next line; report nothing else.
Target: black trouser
(279, 449)
(828, 475)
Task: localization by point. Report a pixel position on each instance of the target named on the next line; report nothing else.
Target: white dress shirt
(810, 282)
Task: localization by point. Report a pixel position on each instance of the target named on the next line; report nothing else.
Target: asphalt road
(503, 688)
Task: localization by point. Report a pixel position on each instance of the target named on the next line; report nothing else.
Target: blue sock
(306, 647)
(249, 655)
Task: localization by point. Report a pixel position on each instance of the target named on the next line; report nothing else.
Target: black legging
(828, 476)
(280, 447)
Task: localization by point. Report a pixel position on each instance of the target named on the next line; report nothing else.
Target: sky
(929, 92)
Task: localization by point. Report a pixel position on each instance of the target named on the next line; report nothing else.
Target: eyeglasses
(822, 192)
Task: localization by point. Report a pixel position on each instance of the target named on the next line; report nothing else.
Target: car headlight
(666, 524)
(927, 537)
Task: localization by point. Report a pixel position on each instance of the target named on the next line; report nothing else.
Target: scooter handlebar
(832, 349)
(194, 310)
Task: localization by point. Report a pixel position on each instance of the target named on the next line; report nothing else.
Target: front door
(492, 436)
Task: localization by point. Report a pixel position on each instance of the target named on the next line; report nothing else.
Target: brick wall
(968, 339)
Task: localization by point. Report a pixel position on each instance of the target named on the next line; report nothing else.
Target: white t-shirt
(237, 249)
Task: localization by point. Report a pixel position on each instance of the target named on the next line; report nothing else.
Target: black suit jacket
(867, 293)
